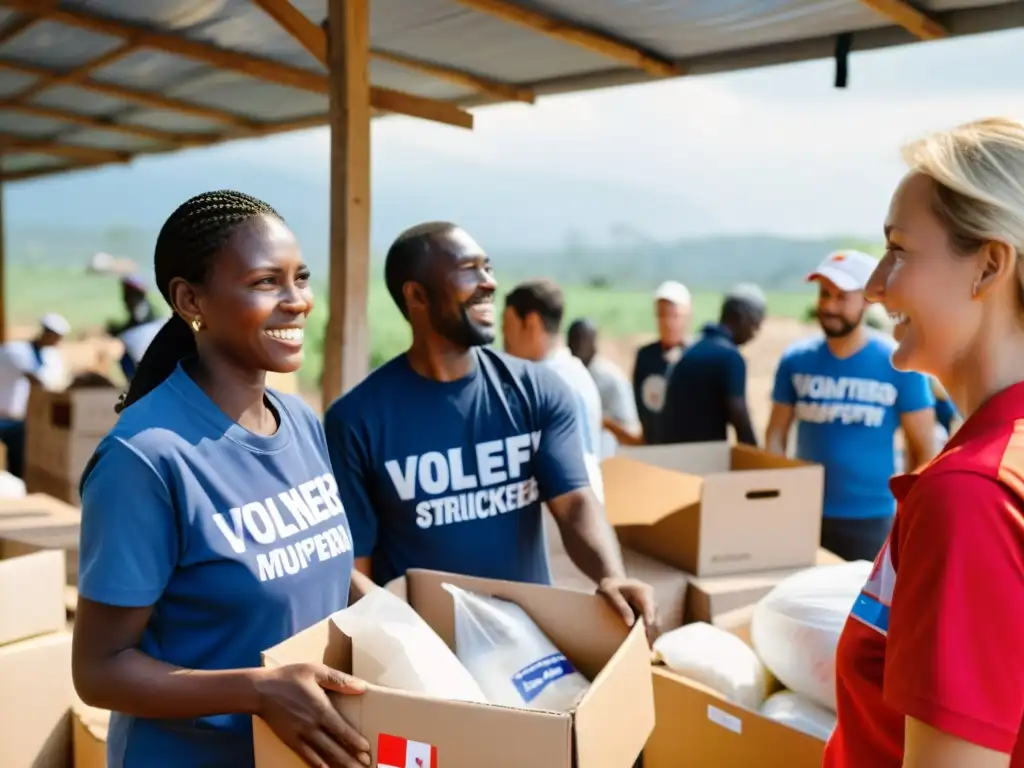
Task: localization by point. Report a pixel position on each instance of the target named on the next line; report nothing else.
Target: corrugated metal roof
(80, 87)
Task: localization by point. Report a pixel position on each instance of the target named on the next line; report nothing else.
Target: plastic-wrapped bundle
(796, 627)
(800, 713)
(717, 659)
(393, 647)
(512, 660)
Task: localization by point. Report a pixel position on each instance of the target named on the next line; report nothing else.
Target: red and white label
(396, 752)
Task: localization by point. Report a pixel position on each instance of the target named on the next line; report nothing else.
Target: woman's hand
(294, 703)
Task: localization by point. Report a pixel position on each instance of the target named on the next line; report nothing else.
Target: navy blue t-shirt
(710, 373)
(451, 475)
(237, 540)
(650, 379)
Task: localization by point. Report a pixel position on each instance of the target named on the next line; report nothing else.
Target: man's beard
(841, 332)
(461, 330)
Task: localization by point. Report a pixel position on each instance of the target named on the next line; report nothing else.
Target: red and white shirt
(937, 634)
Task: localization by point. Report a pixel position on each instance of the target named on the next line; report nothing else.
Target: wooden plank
(902, 13)
(566, 32)
(347, 340)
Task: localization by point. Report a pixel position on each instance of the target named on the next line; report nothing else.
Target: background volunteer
(848, 401)
(23, 362)
(673, 307)
(445, 453)
(531, 328)
(707, 389)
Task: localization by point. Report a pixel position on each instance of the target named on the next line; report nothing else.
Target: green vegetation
(88, 301)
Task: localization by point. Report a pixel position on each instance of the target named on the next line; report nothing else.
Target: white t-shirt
(582, 385)
(617, 401)
(138, 338)
(18, 358)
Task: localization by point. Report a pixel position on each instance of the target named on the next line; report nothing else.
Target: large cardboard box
(89, 735)
(31, 596)
(606, 730)
(669, 584)
(35, 707)
(710, 509)
(711, 596)
(38, 522)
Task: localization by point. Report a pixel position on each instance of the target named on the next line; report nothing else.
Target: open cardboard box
(607, 729)
(698, 727)
(712, 509)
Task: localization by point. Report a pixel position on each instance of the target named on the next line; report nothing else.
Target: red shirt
(937, 634)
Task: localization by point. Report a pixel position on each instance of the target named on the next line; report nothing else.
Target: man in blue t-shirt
(445, 454)
(848, 402)
(707, 390)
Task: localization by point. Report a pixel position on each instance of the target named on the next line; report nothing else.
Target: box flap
(36, 506)
(621, 694)
(636, 493)
(749, 457)
(558, 612)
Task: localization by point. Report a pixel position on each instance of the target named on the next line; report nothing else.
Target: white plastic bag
(800, 713)
(393, 647)
(796, 626)
(515, 664)
(717, 659)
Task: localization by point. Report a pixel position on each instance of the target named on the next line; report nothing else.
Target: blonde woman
(930, 667)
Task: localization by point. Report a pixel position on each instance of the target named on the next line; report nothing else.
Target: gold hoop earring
(197, 324)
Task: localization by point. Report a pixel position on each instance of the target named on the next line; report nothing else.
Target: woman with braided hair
(211, 523)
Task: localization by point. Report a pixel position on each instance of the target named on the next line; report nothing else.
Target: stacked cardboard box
(35, 663)
(39, 522)
(62, 430)
(736, 521)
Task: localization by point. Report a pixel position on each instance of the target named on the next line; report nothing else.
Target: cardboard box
(35, 712)
(607, 729)
(35, 510)
(698, 728)
(710, 596)
(89, 735)
(38, 480)
(710, 509)
(63, 538)
(31, 596)
(670, 584)
(84, 410)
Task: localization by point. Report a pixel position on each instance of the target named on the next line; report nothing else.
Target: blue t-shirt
(237, 540)
(710, 374)
(650, 380)
(451, 475)
(847, 415)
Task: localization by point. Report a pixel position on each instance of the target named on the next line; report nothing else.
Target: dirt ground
(97, 353)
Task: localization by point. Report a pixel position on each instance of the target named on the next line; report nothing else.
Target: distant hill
(599, 232)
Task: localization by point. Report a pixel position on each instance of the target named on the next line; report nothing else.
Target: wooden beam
(899, 12)
(16, 26)
(244, 63)
(77, 74)
(3, 268)
(104, 124)
(145, 98)
(347, 340)
(493, 88)
(309, 35)
(567, 32)
(11, 144)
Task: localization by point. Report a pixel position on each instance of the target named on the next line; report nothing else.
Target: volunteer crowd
(221, 517)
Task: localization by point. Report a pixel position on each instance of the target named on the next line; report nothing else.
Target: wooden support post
(347, 341)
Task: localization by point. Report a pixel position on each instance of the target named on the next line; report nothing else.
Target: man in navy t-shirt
(444, 454)
(707, 390)
(848, 401)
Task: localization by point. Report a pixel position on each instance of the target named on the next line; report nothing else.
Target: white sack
(513, 661)
(715, 658)
(800, 713)
(796, 627)
(393, 647)
(11, 487)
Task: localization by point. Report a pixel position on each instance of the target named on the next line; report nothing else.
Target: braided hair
(188, 242)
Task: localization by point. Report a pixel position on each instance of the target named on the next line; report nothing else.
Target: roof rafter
(916, 22)
(247, 64)
(567, 32)
(10, 144)
(313, 39)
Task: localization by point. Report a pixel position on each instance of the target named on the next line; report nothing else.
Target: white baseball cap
(51, 321)
(847, 270)
(674, 292)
